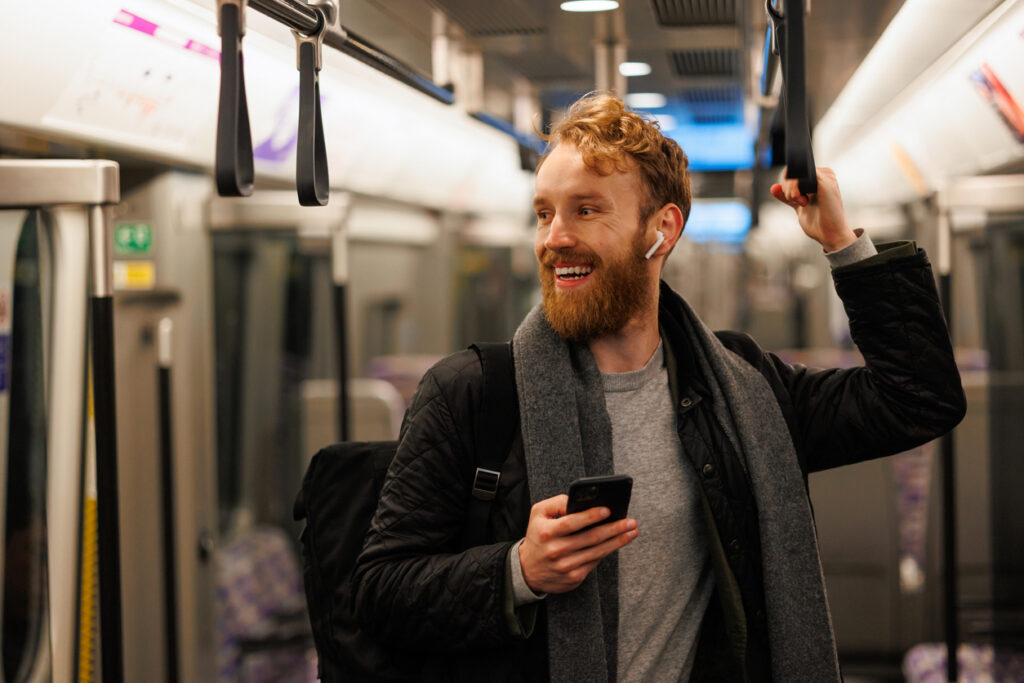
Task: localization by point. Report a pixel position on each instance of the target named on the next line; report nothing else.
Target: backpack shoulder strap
(496, 422)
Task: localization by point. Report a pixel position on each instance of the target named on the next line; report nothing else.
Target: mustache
(552, 256)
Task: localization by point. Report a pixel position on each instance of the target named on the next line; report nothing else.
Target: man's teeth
(574, 272)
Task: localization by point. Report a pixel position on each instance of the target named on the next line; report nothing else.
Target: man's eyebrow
(537, 201)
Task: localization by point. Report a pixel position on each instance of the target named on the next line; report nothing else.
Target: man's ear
(668, 221)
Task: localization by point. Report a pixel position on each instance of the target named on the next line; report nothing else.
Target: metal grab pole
(102, 304)
(165, 330)
(949, 554)
(339, 274)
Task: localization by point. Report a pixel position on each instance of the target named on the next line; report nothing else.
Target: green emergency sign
(135, 239)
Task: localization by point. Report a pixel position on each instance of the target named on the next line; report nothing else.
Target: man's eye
(543, 215)
(587, 211)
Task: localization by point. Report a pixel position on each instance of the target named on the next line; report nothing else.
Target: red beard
(617, 294)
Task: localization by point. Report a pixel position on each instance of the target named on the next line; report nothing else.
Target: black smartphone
(611, 491)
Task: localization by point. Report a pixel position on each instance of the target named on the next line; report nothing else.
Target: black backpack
(338, 499)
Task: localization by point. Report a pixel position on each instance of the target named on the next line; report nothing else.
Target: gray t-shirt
(665, 575)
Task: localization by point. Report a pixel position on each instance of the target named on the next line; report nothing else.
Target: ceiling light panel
(680, 13)
(509, 17)
(714, 105)
(722, 63)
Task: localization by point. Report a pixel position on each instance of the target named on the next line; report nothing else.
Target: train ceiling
(696, 48)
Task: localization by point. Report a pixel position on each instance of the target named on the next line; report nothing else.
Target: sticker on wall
(133, 239)
(134, 275)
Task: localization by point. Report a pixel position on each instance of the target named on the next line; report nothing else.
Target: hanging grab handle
(233, 167)
(312, 180)
(788, 32)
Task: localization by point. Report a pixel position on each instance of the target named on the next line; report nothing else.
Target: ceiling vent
(719, 63)
(678, 13)
(506, 18)
(550, 66)
(715, 105)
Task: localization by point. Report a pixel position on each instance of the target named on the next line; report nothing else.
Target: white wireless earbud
(654, 247)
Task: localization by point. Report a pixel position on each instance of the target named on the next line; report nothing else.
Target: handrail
(313, 25)
(301, 17)
(789, 42)
(165, 332)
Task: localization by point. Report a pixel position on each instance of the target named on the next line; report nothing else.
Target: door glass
(274, 332)
(24, 292)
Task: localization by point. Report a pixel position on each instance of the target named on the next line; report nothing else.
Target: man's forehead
(565, 172)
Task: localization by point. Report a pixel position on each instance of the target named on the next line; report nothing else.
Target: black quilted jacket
(451, 607)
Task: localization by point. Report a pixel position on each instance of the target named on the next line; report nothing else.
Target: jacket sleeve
(413, 585)
(908, 391)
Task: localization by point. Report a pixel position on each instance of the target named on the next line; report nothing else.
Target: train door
(986, 217)
(274, 330)
(276, 348)
(24, 266)
(47, 211)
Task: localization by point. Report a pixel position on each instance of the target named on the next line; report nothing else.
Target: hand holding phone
(562, 547)
(611, 491)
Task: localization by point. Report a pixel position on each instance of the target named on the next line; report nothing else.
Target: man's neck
(631, 347)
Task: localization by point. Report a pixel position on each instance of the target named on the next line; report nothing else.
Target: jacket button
(708, 470)
(686, 402)
(735, 545)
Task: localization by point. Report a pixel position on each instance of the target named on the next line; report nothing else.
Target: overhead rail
(787, 28)
(313, 25)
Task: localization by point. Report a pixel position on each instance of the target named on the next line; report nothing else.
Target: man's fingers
(553, 507)
(592, 538)
(789, 194)
(570, 524)
(597, 552)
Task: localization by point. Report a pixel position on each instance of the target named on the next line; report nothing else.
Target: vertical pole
(619, 51)
(949, 554)
(602, 53)
(165, 331)
(106, 446)
(440, 50)
(339, 274)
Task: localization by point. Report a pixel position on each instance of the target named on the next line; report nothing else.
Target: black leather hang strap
(789, 39)
(311, 176)
(233, 168)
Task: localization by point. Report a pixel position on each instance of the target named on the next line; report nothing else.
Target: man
(717, 574)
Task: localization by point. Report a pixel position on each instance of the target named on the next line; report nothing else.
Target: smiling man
(715, 575)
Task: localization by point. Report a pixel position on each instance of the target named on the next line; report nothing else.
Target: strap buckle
(485, 484)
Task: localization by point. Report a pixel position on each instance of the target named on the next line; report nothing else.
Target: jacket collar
(683, 374)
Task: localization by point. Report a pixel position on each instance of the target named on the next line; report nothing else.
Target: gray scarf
(567, 434)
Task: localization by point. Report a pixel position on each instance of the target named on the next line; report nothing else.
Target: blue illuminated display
(712, 132)
(708, 123)
(726, 222)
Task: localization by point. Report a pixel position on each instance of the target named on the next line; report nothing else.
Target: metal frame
(75, 191)
(301, 17)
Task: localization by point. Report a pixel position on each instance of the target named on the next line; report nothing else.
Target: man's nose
(560, 235)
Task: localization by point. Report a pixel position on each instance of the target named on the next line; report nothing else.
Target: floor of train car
(872, 669)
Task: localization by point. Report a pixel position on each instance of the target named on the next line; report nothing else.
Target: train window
(24, 300)
(274, 331)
